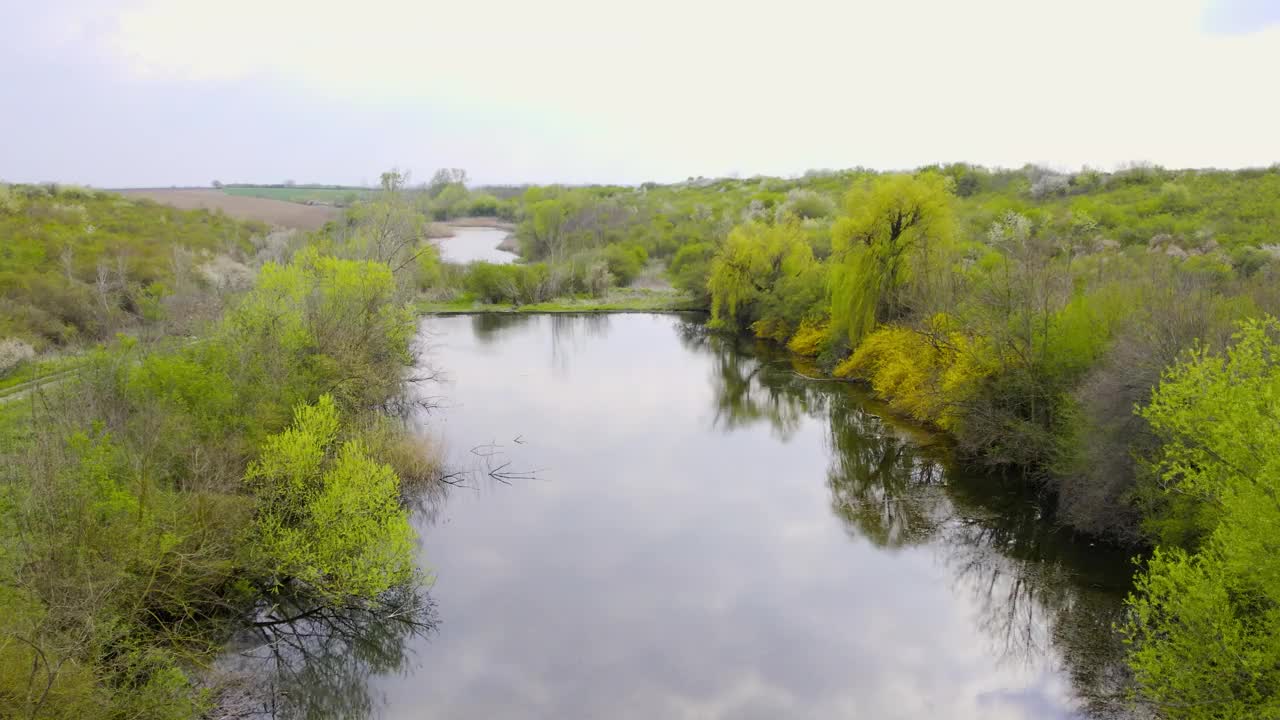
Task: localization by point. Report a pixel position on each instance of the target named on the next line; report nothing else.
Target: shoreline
(483, 221)
(665, 303)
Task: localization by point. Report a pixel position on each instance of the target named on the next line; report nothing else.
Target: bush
(328, 521)
(14, 352)
(484, 205)
(515, 284)
(625, 261)
(807, 205)
(428, 267)
(690, 269)
(930, 375)
(810, 338)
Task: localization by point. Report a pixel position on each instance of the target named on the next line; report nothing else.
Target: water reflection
(489, 328)
(1035, 590)
(568, 332)
(884, 486)
(300, 664)
(748, 389)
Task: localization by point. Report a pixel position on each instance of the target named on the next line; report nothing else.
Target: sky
(138, 93)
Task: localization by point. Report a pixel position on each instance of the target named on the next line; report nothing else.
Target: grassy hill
(79, 264)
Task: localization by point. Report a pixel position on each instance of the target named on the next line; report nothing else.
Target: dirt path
(21, 390)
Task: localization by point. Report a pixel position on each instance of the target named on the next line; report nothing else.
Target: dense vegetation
(169, 493)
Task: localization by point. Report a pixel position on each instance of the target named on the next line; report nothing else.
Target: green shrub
(625, 261)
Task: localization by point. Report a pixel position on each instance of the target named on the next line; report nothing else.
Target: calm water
(470, 244)
(708, 534)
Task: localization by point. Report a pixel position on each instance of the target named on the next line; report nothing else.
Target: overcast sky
(120, 93)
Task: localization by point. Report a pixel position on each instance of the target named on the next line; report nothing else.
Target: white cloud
(670, 88)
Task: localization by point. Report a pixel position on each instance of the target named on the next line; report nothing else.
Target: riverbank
(483, 221)
(635, 301)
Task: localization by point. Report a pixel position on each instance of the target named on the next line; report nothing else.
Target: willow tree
(889, 228)
(753, 259)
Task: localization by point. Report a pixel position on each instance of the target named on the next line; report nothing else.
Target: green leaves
(1205, 626)
(890, 226)
(752, 262)
(329, 521)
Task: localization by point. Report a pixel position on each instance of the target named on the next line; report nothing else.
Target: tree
(217, 184)
(1204, 627)
(754, 259)
(446, 177)
(544, 229)
(393, 180)
(891, 224)
(386, 229)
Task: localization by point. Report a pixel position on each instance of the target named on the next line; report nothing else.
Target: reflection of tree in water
(1038, 595)
(568, 331)
(749, 389)
(318, 665)
(882, 485)
(1036, 591)
(488, 328)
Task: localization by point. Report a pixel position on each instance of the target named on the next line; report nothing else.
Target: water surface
(711, 535)
(469, 244)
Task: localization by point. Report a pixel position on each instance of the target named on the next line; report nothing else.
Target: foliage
(690, 269)
(517, 284)
(428, 270)
(155, 497)
(928, 374)
(810, 338)
(625, 261)
(753, 260)
(892, 228)
(328, 517)
(1205, 624)
(320, 324)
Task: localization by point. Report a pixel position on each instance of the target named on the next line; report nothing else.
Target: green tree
(690, 269)
(753, 259)
(1204, 629)
(891, 226)
(543, 232)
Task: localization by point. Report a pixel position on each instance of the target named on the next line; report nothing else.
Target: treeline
(171, 492)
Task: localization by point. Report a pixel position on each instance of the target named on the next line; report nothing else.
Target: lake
(690, 527)
(470, 244)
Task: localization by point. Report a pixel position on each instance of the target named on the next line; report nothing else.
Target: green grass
(14, 423)
(331, 196)
(618, 303)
